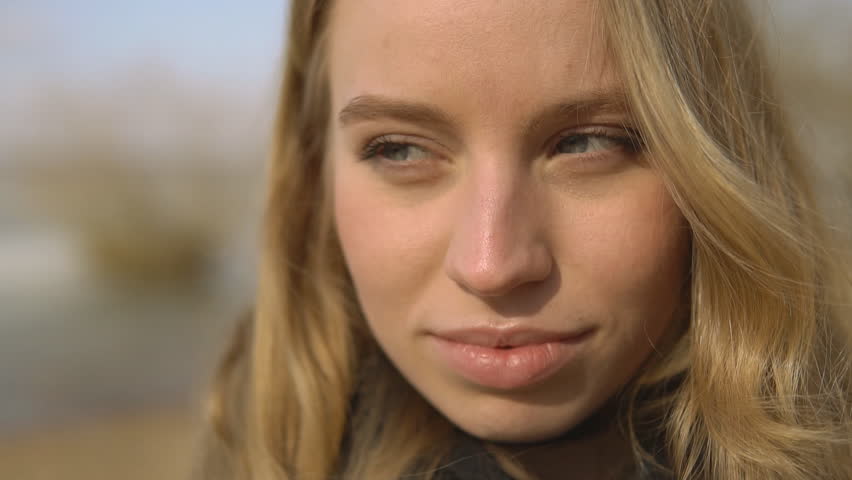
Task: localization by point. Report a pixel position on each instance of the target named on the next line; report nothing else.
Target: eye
(591, 143)
(394, 151)
(404, 159)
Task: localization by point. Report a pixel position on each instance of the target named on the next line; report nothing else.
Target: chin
(524, 425)
(524, 434)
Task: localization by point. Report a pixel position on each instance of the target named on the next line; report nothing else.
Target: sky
(223, 38)
(100, 56)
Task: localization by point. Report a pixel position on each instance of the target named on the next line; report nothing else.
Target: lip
(507, 359)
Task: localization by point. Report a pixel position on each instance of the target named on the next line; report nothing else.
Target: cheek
(633, 238)
(391, 248)
(629, 257)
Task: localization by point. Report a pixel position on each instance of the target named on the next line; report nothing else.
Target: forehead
(467, 54)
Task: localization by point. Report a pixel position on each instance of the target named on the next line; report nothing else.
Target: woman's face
(514, 254)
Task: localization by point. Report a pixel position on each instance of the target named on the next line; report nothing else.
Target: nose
(498, 244)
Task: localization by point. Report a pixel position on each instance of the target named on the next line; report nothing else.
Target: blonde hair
(757, 384)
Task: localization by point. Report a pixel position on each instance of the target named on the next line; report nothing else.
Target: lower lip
(508, 368)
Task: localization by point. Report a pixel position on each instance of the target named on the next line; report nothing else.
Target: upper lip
(508, 337)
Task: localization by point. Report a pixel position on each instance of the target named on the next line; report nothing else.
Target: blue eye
(396, 152)
(589, 143)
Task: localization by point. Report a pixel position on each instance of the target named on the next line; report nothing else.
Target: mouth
(507, 338)
(508, 359)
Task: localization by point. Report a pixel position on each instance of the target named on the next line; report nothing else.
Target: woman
(536, 240)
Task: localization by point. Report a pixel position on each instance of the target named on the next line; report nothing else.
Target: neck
(594, 450)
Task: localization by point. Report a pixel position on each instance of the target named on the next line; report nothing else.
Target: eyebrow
(598, 102)
(372, 107)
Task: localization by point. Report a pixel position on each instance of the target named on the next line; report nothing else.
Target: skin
(491, 217)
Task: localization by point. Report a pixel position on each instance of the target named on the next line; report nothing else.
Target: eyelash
(374, 146)
(631, 142)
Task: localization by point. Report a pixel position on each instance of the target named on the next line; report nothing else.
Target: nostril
(497, 247)
(497, 275)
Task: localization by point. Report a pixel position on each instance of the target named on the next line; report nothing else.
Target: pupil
(576, 144)
(394, 151)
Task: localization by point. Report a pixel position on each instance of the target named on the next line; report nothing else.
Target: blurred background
(132, 139)
(132, 142)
